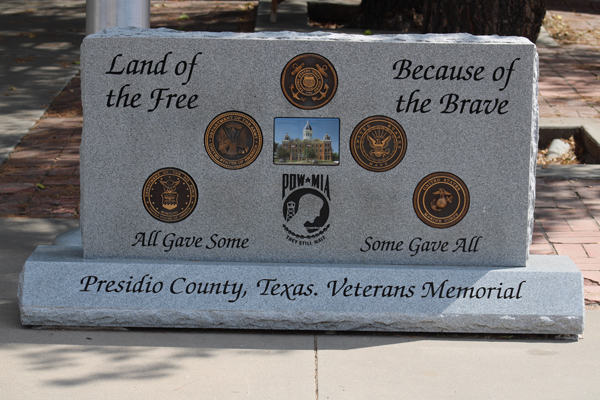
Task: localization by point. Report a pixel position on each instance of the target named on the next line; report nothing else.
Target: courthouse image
(306, 145)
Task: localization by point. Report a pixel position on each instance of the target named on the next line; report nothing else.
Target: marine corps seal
(309, 81)
(170, 195)
(378, 143)
(441, 200)
(233, 140)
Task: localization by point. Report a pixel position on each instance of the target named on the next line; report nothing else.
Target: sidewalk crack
(316, 370)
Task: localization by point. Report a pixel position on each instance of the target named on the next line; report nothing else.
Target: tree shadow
(77, 358)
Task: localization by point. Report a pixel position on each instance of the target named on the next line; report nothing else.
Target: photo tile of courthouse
(298, 149)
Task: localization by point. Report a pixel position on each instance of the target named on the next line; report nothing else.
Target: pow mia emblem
(441, 200)
(378, 143)
(309, 81)
(305, 208)
(233, 140)
(170, 195)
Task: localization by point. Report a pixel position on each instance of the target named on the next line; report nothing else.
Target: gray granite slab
(493, 154)
(60, 287)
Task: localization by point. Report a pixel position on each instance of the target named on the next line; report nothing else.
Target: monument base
(59, 287)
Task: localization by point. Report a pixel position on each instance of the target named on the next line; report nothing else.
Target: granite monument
(403, 202)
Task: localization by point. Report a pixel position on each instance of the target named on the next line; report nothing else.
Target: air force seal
(170, 195)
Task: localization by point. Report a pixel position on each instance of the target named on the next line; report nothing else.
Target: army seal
(441, 200)
(233, 140)
(378, 143)
(309, 81)
(170, 195)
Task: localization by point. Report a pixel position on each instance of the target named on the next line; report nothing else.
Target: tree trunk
(396, 15)
(479, 17)
(485, 17)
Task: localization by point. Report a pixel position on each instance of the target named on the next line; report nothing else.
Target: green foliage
(282, 153)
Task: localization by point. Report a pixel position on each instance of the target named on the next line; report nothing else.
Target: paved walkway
(567, 216)
(187, 364)
(39, 53)
(41, 178)
(570, 73)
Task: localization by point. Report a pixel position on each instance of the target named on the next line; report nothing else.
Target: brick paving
(570, 74)
(41, 178)
(567, 222)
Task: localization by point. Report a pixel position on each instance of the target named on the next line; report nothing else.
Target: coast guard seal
(309, 81)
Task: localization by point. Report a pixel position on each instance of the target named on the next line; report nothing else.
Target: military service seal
(233, 140)
(309, 81)
(170, 195)
(441, 200)
(378, 143)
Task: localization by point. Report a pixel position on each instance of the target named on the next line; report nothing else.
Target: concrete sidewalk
(39, 53)
(189, 364)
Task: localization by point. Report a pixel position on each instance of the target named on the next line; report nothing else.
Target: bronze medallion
(233, 140)
(378, 143)
(309, 81)
(170, 195)
(441, 200)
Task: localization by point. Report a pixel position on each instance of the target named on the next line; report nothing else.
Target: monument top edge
(162, 33)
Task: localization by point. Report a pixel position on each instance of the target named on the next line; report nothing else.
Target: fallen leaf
(183, 16)
(21, 60)
(32, 35)
(40, 186)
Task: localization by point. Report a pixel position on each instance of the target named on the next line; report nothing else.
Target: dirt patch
(567, 28)
(577, 154)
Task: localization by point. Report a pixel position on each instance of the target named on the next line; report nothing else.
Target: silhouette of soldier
(309, 208)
